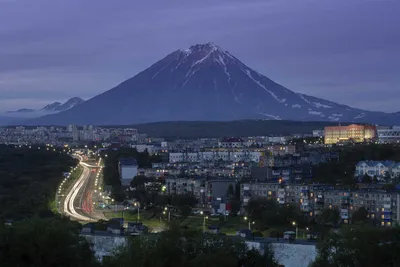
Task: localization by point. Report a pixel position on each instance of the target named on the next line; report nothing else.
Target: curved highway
(69, 201)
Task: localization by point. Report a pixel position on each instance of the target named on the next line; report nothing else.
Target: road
(78, 202)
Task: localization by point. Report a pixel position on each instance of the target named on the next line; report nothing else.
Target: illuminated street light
(297, 229)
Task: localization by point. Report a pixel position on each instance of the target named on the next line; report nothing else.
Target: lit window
(382, 223)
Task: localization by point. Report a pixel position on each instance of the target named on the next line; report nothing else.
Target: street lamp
(250, 222)
(204, 223)
(297, 229)
(169, 213)
(138, 210)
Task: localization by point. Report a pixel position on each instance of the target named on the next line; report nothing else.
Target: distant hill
(210, 129)
(201, 83)
(16, 116)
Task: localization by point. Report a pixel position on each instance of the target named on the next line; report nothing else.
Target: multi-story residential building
(381, 205)
(377, 168)
(355, 133)
(209, 192)
(181, 186)
(128, 169)
(227, 155)
(281, 149)
(232, 142)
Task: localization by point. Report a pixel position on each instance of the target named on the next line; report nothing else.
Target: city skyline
(340, 51)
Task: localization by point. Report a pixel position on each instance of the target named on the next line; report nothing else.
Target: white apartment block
(235, 156)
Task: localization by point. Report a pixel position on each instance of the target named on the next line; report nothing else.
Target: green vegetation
(360, 248)
(29, 179)
(268, 213)
(177, 247)
(342, 170)
(208, 129)
(45, 243)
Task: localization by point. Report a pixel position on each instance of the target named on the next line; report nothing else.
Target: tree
(45, 243)
(360, 248)
(366, 179)
(180, 248)
(329, 216)
(360, 215)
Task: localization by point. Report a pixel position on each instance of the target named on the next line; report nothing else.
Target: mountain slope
(52, 106)
(48, 109)
(205, 82)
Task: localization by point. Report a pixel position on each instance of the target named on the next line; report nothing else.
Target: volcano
(205, 83)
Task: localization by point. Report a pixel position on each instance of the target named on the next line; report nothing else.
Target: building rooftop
(128, 162)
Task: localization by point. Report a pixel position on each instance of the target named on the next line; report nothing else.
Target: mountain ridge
(201, 83)
(55, 106)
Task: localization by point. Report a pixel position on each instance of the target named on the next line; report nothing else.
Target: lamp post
(169, 213)
(297, 229)
(249, 222)
(138, 211)
(307, 229)
(123, 212)
(204, 223)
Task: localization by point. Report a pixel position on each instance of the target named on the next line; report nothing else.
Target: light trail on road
(69, 208)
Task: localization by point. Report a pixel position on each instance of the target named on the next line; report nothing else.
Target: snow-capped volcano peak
(201, 52)
(205, 82)
(202, 48)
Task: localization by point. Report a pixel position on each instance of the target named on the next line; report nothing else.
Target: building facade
(128, 169)
(382, 206)
(354, 133)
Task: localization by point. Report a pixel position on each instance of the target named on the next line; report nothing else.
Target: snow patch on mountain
(319, 105)
(248, 73)
(311, 112)
(360, 116)
(303, 98)
(274, 117)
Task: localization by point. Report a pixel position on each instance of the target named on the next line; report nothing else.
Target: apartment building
(128, 169)
(210, 193)
(378, 168)
(382, 206)
(224, 154)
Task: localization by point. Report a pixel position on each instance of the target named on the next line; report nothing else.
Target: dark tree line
(183, 248)
(45, 243)
(360, 248)
(29, 179)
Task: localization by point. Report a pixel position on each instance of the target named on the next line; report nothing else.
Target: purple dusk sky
(346, 51)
